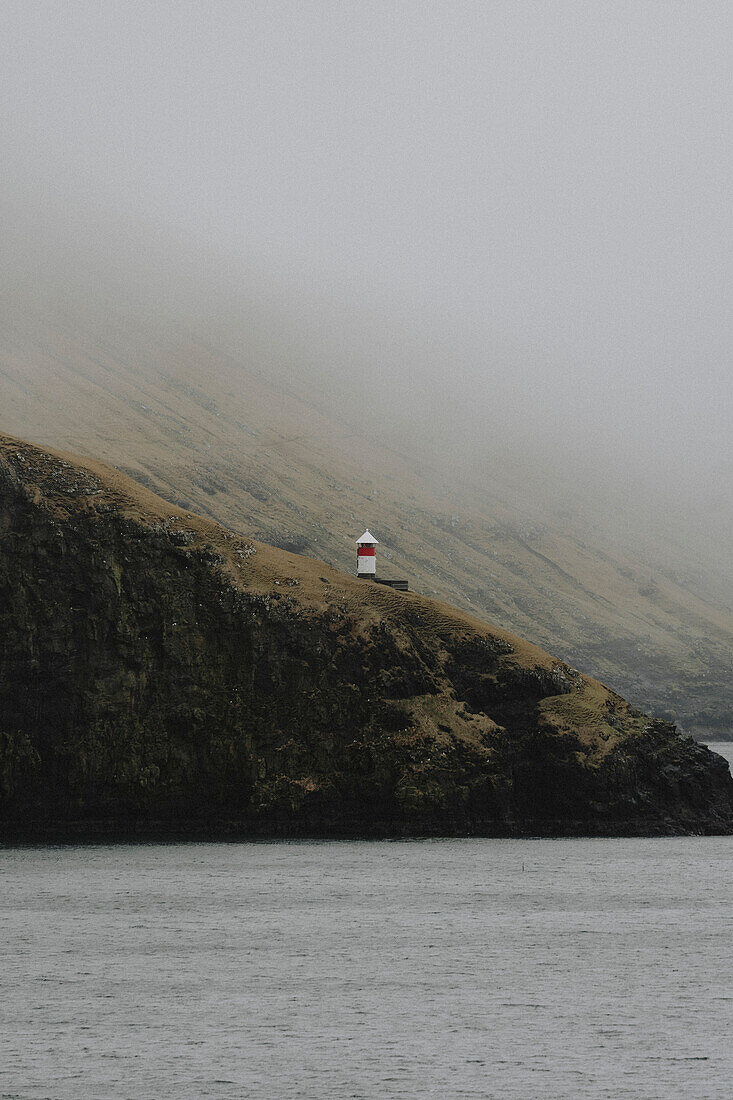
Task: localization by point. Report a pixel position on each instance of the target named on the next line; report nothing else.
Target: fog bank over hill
(497, 229)
(465, 268)
(666, 491)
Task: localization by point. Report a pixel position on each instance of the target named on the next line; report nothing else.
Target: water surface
(453, 968)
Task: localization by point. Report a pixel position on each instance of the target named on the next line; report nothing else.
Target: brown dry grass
(248, 563)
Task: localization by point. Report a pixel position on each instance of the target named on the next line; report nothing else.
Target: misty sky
(523, 210)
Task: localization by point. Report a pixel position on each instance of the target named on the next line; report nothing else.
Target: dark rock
(144, 692)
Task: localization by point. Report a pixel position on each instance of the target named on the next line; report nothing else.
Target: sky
(494, 224)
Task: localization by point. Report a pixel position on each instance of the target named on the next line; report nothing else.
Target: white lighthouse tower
(366, 556)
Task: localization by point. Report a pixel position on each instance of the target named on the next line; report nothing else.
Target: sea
(504, 969)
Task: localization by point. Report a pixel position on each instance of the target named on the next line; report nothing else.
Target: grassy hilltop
(164, 674)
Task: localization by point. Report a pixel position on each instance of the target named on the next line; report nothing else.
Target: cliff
(230, 435)
(162, 675)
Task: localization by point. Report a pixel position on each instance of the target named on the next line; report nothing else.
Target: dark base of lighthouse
(399, 586)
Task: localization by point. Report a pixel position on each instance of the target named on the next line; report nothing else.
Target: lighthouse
(366, 556)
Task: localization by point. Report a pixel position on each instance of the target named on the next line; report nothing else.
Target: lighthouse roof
(367, 537)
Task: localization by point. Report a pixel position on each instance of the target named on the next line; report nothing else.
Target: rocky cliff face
(220, 435)
(162, 675)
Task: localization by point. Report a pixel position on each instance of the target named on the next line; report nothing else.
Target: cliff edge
(162, 675)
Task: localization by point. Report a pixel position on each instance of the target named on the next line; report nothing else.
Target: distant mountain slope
(208, 431)
(161, 674)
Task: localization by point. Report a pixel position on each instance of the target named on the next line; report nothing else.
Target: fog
(498, 232)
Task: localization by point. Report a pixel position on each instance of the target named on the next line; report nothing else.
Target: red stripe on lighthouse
(366, 552)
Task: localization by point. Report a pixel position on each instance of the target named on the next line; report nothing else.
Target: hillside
(162, 674)
(208, 431)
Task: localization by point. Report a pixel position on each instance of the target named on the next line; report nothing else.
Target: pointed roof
(368, 538)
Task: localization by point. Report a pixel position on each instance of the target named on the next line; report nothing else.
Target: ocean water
(448, 968)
